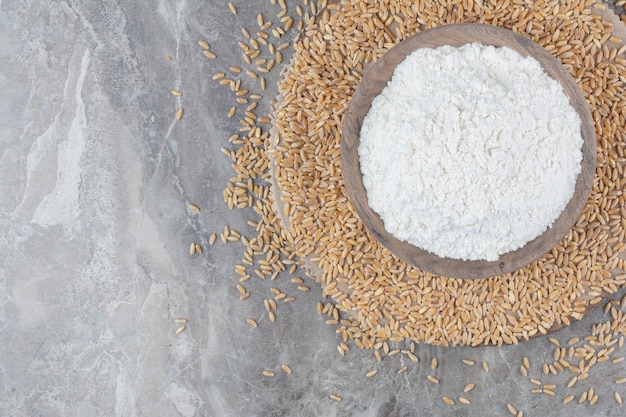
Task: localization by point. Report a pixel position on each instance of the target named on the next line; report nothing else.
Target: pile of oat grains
(375, 300)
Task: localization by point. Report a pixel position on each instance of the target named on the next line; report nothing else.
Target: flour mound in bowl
(470, 152)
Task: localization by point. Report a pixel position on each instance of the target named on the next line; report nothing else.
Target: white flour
(470, 152)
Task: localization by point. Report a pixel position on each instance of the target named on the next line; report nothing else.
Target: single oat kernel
(432, 379)
(523, 371)
(447, 400)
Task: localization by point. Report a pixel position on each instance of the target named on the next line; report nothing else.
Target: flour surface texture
(470, 152)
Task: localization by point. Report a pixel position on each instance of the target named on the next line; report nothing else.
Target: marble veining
(95, 178)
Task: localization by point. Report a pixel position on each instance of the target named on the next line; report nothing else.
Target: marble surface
(95, 178)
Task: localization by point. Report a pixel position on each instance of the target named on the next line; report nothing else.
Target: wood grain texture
(373, 83)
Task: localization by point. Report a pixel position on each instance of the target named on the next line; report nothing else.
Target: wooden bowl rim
(376, 78)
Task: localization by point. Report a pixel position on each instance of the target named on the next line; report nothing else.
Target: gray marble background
(95, 178)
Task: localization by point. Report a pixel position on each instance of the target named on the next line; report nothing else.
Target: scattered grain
(559, 309)
(511, 409)
(432, 379)
(573, 341)
(447, 400)
(572, 382)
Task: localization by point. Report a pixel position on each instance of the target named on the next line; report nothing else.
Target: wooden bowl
(375, 80)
